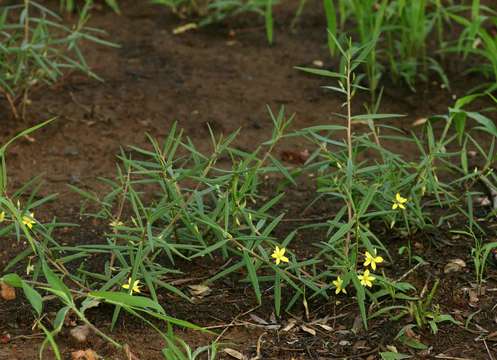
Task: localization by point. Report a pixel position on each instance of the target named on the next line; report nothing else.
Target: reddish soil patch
(211, 77)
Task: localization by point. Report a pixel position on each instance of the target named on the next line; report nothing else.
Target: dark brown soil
(222, 76)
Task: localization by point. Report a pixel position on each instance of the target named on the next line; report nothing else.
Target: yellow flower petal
(339, 286)
(399, 202)
(279, 255)
(366, 279)
(136, 286)
(28, 221)
(133, 289)
(372, 260)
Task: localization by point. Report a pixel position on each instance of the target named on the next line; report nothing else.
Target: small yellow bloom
(339, 286)
(279, 255)
(29, 269)
(116, 223)
(399, 202)
(366, 279)
(29, 220)
(2, 216)
(135, 288)
(372, 260)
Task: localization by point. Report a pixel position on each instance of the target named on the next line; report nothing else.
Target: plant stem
(25, 42)
(97, 330)
(349, 147)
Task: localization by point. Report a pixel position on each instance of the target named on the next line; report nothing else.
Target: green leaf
(127, 300)
(412, 343)
(50, 340)
(12, 280)
(283, 169)
(33, 297)
(183, 323)
(361, 298)
(24, 133)
(390, 355)
(59, 318)
(460, 124)
(269, 21)
(325, 128)
(487, 124)
(210, 249)
(31, 294)
(277, 294)
(226, 272)
(113, 5)
(365, 117)
(57, 284)
(252, 273)
(321, 72)
(331, 24)
(460, 103)
(341, 232)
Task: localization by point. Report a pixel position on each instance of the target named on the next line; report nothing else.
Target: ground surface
(222, 76)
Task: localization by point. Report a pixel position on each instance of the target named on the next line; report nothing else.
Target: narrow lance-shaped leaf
(252, 274)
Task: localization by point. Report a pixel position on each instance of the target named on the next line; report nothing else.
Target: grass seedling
(214, 11)
(480, 254)
(71, 5)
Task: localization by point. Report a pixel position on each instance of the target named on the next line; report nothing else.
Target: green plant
(194, 210)
(46, 270)
(367, 192)
(177, 349)
(413, 23)
(331, 22)
(423, 313)
(480, 254)
(38, 49)
(170, 201)
(369, 26)
(71, 5)
(171, 204)
(476, 40)
(373, 185)
(213, 11)
(400, 31)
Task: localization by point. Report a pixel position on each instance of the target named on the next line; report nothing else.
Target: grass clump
(38, 49)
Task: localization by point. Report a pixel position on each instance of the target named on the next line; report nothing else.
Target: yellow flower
(29, 220)
(132, 289)
(2, 216)
(399, 202)
(338, 286)
(116, 223)
(366, 279)
(29, 269)
(279, 255)
(372, 260)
